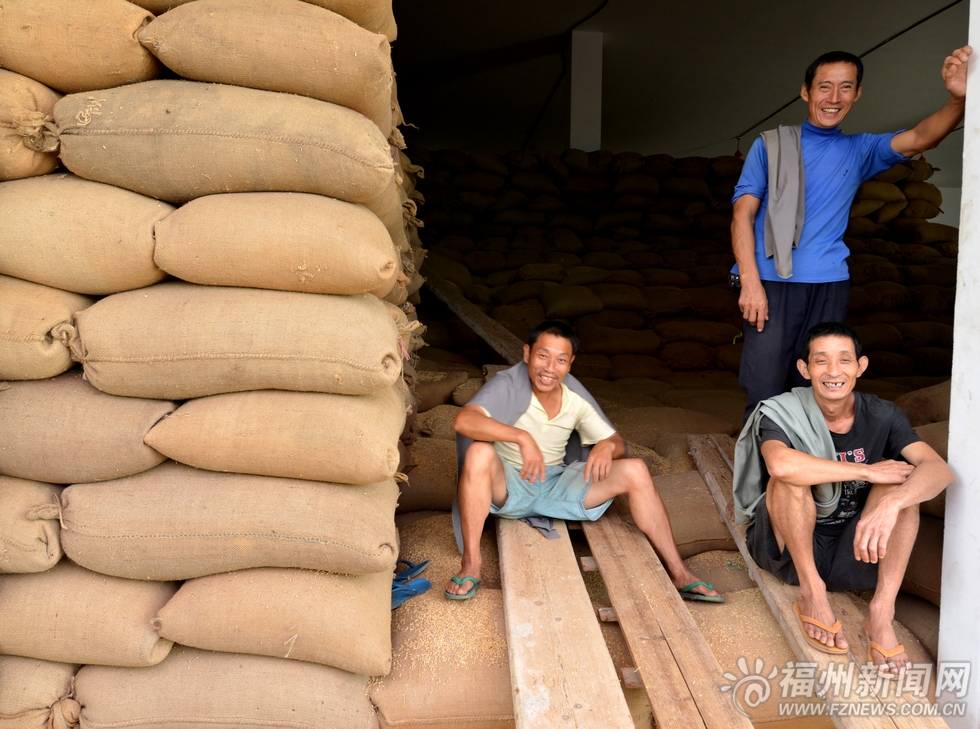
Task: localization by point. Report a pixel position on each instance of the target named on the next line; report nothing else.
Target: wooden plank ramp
(681, 676)
(714, 456)
(561, 672)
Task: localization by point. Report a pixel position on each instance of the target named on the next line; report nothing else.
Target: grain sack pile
(245, 261)
(635, 252)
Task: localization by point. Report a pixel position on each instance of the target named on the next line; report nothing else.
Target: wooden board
(561, 672)
(713, 455)
(679, 672)
(501, 339)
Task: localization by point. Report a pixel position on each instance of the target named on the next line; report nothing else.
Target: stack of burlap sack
(635, 252)
(227, 255)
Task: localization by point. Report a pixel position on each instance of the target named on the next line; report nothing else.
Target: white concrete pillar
(959, 623)
(586, 80)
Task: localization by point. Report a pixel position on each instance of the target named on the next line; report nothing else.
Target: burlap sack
(922, 620)
(77, 235)
(438, 422)
(937, 436)
(694, 517)
(34, 694)
(195, 688)
(179, 340)
(923, 576)
(277, 45)
(687, 356)
(724, 569)
(928, 405)
(338, 620)
(307, 435)
(284, 241)
(35, 323)
(645, 425)
(71, 615)
(64, 430)
(432, 483)
(595, 365)
(27, 144)
(436, 388)
(610, 341)
(714, 334)
(634, 365)
(179, 140)
(30, 538)
(568, 302)
(174, 523)
(73, 46)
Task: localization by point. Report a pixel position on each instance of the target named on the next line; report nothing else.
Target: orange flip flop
(833, 629)
(883, 667)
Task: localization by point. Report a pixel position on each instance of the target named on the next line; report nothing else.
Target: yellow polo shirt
(552, 435)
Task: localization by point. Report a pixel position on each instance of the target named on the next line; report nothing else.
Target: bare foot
(881, 630)
(686, 578)
(466, 569)
(819, 608)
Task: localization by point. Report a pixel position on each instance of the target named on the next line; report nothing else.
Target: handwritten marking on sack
(92, 108)
(291, 642)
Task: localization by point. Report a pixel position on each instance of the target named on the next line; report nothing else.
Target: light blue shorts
(560, 495)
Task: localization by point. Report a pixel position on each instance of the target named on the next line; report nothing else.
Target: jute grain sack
(179, 140)
(30, 538)
(927, 405)
(646, 425)
(610, 341)
(63, 430)
(175, 522)
(277, 45)
(338, 620)
(687, 356)
(436, 388)
(714, 334)
(180, 340)
(309, 435)
(693, 514)
(923, 576)
(34, 694)
(196, 688)
(77, 235)
(462, 656)
(73, 46)
(274, 240)
(35, 323)
(26, 140)
(72, 615)
(432, 483)
(567, 302)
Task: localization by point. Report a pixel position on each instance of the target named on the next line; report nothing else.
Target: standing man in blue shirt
(781, 299)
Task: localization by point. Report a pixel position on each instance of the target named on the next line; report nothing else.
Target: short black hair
(555, 328)
(829, 329)
(833, 57)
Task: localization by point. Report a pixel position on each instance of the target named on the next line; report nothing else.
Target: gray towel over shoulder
(787, 189)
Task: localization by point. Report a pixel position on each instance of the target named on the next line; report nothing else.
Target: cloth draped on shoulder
(798, 415)
(506, 397)
(786, 209)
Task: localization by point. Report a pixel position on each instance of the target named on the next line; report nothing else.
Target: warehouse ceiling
(685, 78)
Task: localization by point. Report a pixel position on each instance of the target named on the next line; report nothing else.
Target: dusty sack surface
(201, 688)
(77, 235)
(277, 45)
(179, 340)
(309, 435)
(179, 140)
(30, 539)
(63, 430)
(72, 615)
(272, 240)
(26, 145)
(338, 620)
(175, 523)
(73, 46)
(35, 689)
(35, 324)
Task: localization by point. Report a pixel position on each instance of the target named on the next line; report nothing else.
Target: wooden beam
(561, 671)
(712, 454)
(679, 672)
(588, 564)
(608, 615)
(501, 339)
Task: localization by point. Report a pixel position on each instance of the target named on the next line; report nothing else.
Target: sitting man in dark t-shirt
(878, 471)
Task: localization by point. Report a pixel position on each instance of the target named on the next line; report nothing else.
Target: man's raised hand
(600, 460)
(889, 472)
(954, 71)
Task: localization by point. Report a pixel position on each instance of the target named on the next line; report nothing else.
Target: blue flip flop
(688, 593)
(402, 591)
(466, 595)
(411, 570)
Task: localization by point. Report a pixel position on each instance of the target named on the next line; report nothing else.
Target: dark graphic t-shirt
(880, 431)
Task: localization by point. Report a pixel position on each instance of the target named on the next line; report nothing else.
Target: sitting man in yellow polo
(523, 449)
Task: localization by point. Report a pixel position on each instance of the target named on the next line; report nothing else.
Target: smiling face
(832, 368)
(548, 361)
(832, 94)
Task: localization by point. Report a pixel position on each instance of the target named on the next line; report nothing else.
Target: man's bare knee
(479, 457)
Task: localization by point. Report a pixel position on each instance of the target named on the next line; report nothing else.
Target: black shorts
(833, 552)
